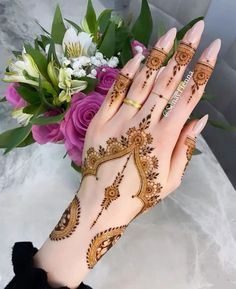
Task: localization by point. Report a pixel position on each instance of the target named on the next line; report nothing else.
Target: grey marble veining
(188, 241)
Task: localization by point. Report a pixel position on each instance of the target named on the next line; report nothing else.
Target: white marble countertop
(187, 242)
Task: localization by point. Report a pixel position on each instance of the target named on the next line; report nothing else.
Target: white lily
(76, 45)
(20, 116)
(24, 70)
(68, 85)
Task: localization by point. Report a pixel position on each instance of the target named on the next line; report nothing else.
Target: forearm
(74, 246)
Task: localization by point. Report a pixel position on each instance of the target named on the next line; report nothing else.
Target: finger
(170, 78)
(192, 93)
(120, 87)
(144, 80)
(183, 151)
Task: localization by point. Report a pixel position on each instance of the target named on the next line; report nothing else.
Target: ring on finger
(160, 95)
(132, 102)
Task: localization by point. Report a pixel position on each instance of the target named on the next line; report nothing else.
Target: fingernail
(211, 52)
(166, 41)
(193, 35)
(132, 65)
(199, 126)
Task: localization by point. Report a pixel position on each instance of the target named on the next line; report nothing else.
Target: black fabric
(26, 275)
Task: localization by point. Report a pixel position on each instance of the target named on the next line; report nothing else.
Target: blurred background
(190, 241)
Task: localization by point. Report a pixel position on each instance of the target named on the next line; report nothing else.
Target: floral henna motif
(101, 243)
(120, 88)
(191, 144)
(183, 56)
(112, 192)
(137, 142)
(68, 222)
(154, 62)
(202, 73)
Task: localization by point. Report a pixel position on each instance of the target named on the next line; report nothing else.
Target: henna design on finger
(183, 56)
(120, 88)
(154, 61)
(202, 73)
(137, 142)
(112, 192)
(68, 222)
(101, 243)
(191, 144)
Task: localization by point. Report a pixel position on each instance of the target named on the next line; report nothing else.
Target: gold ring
(160, 95)
(132, 102)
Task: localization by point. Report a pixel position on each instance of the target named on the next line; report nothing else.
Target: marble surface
(188, 241)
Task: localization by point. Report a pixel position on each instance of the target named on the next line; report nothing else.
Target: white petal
(85, 40)
(70, 37)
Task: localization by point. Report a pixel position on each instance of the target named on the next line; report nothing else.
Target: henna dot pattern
(120, 88)
(101, 243)
(68, 222)
(136, 142)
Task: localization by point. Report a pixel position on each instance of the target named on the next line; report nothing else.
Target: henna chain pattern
(154, 62)
(202, 73)
(191, 144)
(120, 88)
(68, 222)
(183, 56)
(101, 243)
(138, 143)
(112, 192)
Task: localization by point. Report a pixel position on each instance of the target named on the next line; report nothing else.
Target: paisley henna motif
(154, 62)
(68, 222)
(120, 88)
(202, 73)
(183, 56)
(137, 142)
(112, 192)
(191, 144)
(101, 243)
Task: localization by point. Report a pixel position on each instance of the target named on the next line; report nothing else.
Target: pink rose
(138, 47)
(106, 77)
(77, 119)
(13, 96)
(43, 134)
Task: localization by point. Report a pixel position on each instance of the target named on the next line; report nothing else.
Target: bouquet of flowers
(57, 84)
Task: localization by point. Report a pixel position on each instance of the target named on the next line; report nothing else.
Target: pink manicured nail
(132, 65)
(166, 41)
(193, 35)
(211, 52)
(199, 126)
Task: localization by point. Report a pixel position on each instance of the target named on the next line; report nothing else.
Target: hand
(133, 156)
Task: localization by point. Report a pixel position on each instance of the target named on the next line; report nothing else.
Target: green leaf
(14, 137)
(142, 28)
(161, 29)
(29, 94)
(222, 125)
(197, 152)
(44, 30)
(45, 40)
(103, 20)
(76, 26)
(181, 32)
(52, 53)
(91, 18)
(39, 59)
(107, 46)
(91, 83)
(58, 27)
(28, 141)
(34, 109)
(3, 99)
(122, 34)
(75, 167)
(47, 120)
(126, 53)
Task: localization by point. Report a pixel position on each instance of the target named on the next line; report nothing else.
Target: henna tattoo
(154, 61)
(183, 56)
(120, 88)
(68, 222)
(101, 243)
(191, 144)
(112, 192)
(138, 143)
(202, 73)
